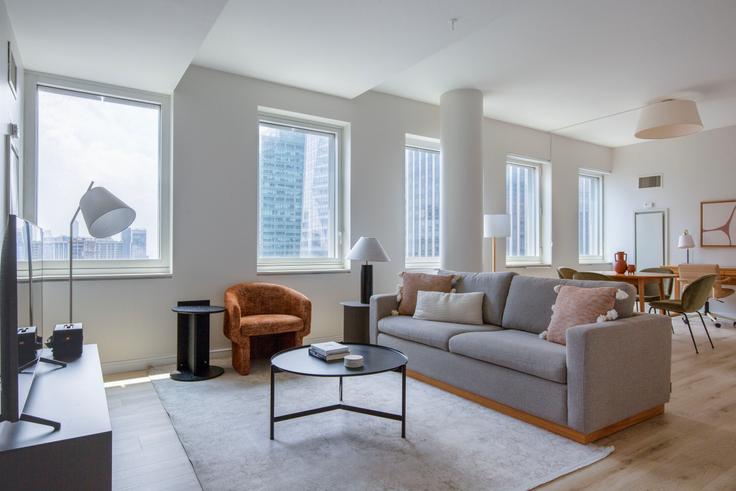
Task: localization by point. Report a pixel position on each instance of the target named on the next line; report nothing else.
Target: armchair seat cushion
(431, 333)
(518, 350)
(254, 325)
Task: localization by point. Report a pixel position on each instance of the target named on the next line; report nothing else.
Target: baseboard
(137, 364)
(557, 428)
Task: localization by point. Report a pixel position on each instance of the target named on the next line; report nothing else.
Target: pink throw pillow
(576, 306)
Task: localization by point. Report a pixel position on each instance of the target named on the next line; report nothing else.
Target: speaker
(67, 341)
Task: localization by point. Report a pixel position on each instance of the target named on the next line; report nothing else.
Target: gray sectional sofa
(609, 375)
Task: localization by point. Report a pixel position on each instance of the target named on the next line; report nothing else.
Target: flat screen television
(21, 308)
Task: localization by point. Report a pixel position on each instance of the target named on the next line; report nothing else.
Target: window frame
(101, 268)
(599, 258)
(425, 262)
(294, 265)
(539, 168)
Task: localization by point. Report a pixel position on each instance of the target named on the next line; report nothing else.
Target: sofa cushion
(462, 308)
(518, 350)
(431, 333)
(413, 282)
(253, 325)
(576, 306)
(494, 285)
(529, 303)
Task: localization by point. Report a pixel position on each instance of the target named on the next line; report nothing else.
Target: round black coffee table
(376, 359)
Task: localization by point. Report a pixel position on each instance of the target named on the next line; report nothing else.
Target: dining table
(640, 280)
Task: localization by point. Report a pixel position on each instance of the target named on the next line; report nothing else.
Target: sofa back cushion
(494, 285)
(530, 300)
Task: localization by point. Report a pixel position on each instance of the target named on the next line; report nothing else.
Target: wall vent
(653, 181)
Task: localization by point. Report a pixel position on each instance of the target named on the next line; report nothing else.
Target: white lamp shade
(686, 241)
(669, 119)
(496, 226)
(104, 213)
(368, 249)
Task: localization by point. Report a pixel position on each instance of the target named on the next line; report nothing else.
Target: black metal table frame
(346, 407)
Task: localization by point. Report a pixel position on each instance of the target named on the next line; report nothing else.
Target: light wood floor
(692, 446)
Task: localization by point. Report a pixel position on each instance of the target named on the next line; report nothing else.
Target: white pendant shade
(368, 249)
(669, 119)
(105, 214)
(496, 226)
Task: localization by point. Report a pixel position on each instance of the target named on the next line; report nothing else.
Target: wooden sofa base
(557, 428)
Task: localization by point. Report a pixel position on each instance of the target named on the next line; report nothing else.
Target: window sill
(276, 272)
(528, 265)
(107, 276)
(589, 262)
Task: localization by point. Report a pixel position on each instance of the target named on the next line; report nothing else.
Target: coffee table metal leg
(272, 399)
(403, 401)
(340, 389)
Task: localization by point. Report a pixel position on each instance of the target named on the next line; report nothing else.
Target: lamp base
(366, 283)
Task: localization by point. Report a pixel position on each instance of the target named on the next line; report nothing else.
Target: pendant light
(669, 118)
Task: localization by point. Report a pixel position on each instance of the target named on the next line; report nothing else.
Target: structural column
(461, 141)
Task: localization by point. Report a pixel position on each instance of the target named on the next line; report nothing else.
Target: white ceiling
(144, 44)
(341, 47)
(543, 64)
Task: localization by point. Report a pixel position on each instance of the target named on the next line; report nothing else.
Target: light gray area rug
(451, 443)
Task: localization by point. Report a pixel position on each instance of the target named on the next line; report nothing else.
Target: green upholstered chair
(566, 273)
(651, 290)
(693, 299)
(591, 276)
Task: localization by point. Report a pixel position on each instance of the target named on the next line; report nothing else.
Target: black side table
(193, 341)
(355, 322)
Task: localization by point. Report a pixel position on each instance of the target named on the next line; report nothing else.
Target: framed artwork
(12, 173)
(717, 223)
(12, 72)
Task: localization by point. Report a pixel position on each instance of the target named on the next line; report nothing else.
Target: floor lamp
(105, 215)
(495, 226)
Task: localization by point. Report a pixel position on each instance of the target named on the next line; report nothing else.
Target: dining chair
(691, 272)
(693, 299)
(651, 290)
(591, 276)
(566, 273)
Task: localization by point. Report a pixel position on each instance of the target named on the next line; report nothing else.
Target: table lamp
(495, 226)
(367, 249)
(686, 242)
(105, 215)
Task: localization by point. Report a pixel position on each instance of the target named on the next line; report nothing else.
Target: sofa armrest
(617, 369)
(380, 307)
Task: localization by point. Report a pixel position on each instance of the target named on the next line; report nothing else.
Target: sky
(84, 139)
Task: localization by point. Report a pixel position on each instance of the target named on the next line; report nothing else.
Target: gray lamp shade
(104, 213)
(686, 241)
(368, 249)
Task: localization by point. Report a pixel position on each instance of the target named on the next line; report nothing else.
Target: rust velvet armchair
(263, 318)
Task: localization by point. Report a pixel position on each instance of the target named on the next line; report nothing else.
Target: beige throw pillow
(576, 306)
(413, 282)
(461, 308)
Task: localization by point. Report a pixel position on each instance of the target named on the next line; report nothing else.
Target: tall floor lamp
(105, 215)
(495, 226)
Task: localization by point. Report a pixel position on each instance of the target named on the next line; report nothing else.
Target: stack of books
(330, 351)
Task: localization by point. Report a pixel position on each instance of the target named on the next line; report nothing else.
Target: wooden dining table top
(637, 275)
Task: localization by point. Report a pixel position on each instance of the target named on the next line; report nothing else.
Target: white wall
(696, 168)
(566, 158)
(11, 108)
(215, 176)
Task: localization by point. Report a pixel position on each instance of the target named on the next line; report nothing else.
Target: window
(422, 204)
(117, 138)
(523, 205)
(300, 219)
(590, 217)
